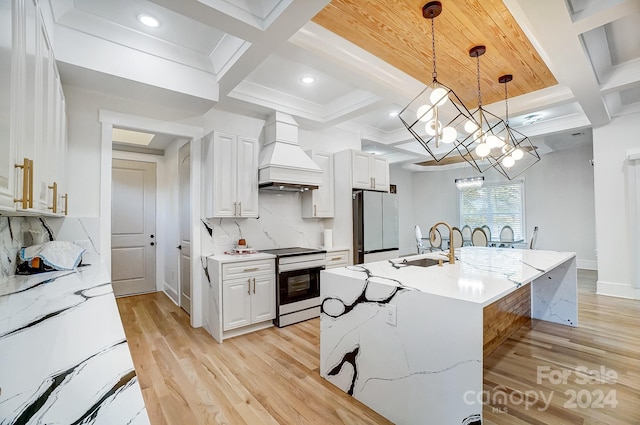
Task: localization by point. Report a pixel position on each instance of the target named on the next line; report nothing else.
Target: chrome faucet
(432, 239)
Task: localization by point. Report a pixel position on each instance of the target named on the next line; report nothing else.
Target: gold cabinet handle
(254, 286)
(240, 208)
(336, 258)
(252, 269)
(31, 183)
(249, 287)
(25, 183)
(54, 187)
(315, 210)
(66, 203)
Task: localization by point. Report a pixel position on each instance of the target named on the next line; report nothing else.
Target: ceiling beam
(549, 26)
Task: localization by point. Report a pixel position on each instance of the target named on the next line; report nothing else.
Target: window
(496, 205)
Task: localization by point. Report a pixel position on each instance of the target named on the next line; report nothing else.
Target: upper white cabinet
(368, 171)
(8, 98)
(232, 170)
(319, 203)
(32, 114)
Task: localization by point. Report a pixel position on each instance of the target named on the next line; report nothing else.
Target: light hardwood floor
(271, 376)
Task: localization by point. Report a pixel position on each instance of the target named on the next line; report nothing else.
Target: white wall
(85, 138)
(617, 252)
(559, 199)
(403, 180)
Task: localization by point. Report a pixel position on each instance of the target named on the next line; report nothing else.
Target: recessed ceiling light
(148, 20)
(393, 114)
(307, 80)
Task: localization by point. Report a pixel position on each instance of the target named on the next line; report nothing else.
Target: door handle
(179, 247)
(249, 287)
(152, 243)
(254, 286)
(240, 208)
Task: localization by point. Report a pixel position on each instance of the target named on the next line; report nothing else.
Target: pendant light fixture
(435, 115)
(487, 145)
(518, 153)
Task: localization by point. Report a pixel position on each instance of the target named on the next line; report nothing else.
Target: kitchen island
(409, 341)
(64, 357)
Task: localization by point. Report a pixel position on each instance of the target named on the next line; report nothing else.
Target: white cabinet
(368, 171)
(232, 170)
(32, 115)
(8, 99)
(337, 258)
(319, 203)
(248, 293)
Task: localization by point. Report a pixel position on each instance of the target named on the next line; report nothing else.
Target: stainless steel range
(297, 284)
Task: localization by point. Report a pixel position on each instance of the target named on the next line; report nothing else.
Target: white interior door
(133, 227)
(184, 173)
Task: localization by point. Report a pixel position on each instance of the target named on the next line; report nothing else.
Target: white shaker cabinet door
(236, 303)
(380, 173)
(8, 98)
(360, 170)
(263, 298)
(247, 177)
(224, 176)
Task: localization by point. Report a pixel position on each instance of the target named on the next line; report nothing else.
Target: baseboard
(171, 293)
(587, 264)
(620, 290)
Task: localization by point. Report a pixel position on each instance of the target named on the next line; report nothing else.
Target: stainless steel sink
(423, 262)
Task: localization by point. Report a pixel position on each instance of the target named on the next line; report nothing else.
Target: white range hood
(283, 165)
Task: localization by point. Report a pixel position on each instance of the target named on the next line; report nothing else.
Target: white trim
(171, 293)
(108, 120)
(633, 154)
(615, 289)
(587, 264)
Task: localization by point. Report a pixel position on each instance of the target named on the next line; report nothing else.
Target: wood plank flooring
(271, 376)
(266, 377)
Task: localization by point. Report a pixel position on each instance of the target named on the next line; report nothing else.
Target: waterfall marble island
(408, 338)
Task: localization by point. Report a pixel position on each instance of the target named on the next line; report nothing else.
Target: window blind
(494, 205)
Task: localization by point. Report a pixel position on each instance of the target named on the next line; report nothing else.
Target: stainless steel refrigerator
(375, 226)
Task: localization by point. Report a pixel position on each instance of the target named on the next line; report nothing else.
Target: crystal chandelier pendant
(436, 116)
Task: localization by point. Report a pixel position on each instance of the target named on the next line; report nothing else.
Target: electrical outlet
(392, 318)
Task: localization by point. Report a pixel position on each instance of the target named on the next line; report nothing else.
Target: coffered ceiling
(576, 63)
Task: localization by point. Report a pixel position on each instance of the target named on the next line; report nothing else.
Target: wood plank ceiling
(396, 32)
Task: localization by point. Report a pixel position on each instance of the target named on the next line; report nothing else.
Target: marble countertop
(64, 357)
(479, 275)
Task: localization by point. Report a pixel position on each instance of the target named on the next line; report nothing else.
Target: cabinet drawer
(247, 268)
(337, 259)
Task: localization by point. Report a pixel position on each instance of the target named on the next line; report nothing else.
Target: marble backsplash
(17, 232)
(279, 226)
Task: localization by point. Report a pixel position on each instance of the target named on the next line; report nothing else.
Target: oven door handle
(309, 265)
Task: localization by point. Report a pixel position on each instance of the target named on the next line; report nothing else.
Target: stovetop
(291, 252)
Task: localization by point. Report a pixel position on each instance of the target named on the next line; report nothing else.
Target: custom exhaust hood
(283, 165)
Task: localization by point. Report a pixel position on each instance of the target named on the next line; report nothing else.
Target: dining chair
(436, 243)
(466, 234)
(479, 237)
(456, 237)
(419, 244)
(487, 231)
(534, 238)
(506, 236)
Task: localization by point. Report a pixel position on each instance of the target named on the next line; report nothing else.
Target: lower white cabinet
(248, 293)
(337, 258)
